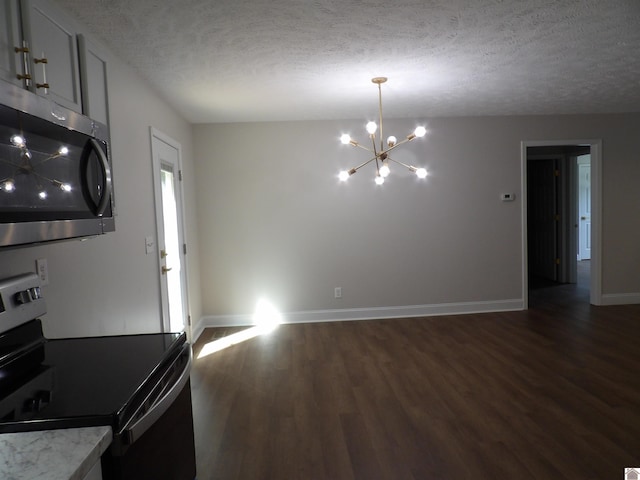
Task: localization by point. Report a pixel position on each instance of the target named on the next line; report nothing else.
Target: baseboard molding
(620, 298)
(351, 314)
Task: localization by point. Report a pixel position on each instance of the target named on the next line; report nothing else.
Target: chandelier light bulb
(42, 195)
(343, 176)
(65, 187)
(379, 180)
(9, 186)
(345, 138)
(385, 170)
(63, 150)
(420, 131)
(371, 128)
(391, 141)
(17, 140)
(421, 173)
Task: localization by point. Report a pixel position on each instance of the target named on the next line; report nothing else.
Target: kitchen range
(136, 384)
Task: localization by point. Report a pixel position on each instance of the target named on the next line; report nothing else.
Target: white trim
(595, 290)
(523, 224)
(407, 311)
(620, 298)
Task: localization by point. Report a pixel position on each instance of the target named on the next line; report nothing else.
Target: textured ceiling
(257, 60)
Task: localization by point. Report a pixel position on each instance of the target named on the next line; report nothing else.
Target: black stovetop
(77, 382)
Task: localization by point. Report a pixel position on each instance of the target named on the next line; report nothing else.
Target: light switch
(149, 245)
(508, 197)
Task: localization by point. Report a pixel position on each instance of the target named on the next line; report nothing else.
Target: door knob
(165, 270)
(583, 218)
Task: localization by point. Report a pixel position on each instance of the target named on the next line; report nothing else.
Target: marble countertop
(66, 454)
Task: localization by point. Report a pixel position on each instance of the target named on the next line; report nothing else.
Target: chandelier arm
(363, 147)
(365, 163)
(410, 167)
(9, 162)
(39, 176)
(50, 157)
(402, 142)
(375, 151)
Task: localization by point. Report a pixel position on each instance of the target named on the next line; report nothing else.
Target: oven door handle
(133, 432)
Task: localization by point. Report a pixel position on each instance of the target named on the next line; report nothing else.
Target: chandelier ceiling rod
(382, 156)
(379, 81)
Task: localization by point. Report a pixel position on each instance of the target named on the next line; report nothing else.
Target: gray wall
(274, 222)
(108, 285)
(278, 224)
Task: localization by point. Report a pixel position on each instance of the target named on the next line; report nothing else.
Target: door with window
(171, 241)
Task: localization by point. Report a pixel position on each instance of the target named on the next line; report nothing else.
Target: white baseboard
(350, 314)
(620, 298)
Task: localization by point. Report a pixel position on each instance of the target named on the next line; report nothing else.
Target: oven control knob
(36, 403)
(35, 293)
(44, 396)
(22, 297)
(31, 405)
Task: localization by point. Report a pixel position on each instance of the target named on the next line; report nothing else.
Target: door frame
(156, 134)
(595, 290)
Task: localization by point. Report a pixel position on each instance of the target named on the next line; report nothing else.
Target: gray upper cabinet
(42, 51)
(51, 36)
(10, 61)
(93, 75)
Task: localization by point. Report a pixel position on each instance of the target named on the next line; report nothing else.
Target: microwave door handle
(106, 171)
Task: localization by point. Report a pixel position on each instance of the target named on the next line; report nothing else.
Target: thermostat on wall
(508, 197)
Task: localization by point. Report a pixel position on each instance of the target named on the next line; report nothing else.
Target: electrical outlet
(337, 292)
(42, 269)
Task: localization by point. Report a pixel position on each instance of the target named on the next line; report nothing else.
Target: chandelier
(381, 155)
(27, 166)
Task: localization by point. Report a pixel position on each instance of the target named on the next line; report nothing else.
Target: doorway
(561, 222)
(167, 183)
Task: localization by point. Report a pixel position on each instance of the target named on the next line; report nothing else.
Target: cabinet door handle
(25, 75)
(44, 83)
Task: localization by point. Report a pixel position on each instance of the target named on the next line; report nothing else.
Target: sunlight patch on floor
(266, 319)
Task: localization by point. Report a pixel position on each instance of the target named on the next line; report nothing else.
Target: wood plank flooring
(549, 393)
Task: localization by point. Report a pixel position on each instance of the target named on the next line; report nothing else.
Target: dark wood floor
(549, 393)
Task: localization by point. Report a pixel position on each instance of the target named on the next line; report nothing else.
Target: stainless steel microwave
(55, 171)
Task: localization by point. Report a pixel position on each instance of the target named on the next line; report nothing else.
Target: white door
(171, 241)
(584, 211)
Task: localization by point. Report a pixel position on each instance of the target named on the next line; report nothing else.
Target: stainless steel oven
(137, 384)
(55, 171)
